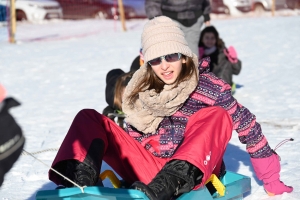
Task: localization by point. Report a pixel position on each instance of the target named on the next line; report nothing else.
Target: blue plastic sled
(235, 186)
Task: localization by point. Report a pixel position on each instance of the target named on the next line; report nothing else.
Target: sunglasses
(169, 58)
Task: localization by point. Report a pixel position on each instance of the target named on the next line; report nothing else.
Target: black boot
(84, 173)
(175, 178)
(80, 173)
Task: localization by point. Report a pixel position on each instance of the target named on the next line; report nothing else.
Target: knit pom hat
(162, 36)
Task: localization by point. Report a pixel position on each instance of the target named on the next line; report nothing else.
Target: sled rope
(81, 188)
(38, 152)
(282, 142)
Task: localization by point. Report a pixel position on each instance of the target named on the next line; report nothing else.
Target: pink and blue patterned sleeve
(244, 122)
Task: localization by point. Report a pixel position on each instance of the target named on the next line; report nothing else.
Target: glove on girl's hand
(267, 170)
(231, 54)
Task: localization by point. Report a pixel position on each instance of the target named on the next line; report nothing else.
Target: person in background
(224, 61)
(190, 14)
(11, 137)
(111, 79)
(179, 120)
(116, 81)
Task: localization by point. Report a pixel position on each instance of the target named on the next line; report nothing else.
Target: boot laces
(80, 174)
(161, 182)
(85, 174)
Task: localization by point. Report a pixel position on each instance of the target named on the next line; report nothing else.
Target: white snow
(58, 68)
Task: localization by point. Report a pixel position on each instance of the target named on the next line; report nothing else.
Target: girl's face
(209, 40)
(168, 72)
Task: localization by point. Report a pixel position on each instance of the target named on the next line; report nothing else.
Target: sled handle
(112, 178)
(217, 184)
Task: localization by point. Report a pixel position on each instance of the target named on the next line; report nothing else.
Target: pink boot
(267, 170)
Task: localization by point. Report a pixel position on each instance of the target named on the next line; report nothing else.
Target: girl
(224, 62)
(179, 121)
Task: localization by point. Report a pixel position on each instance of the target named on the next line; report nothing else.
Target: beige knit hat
(162, 36)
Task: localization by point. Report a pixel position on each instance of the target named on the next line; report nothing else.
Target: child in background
(111, 79)
(116, 81)
(224, 62)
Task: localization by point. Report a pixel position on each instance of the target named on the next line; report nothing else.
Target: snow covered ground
(59, 67)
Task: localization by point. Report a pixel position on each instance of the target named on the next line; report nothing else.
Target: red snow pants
(207, 134)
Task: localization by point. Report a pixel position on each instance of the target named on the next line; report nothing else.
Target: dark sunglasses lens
(172, 57)
(155, 61)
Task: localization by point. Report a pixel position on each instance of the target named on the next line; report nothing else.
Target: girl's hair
(121, 83)
(151, 81)
(210, 29)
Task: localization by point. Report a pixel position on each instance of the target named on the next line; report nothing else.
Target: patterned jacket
(210, 91)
